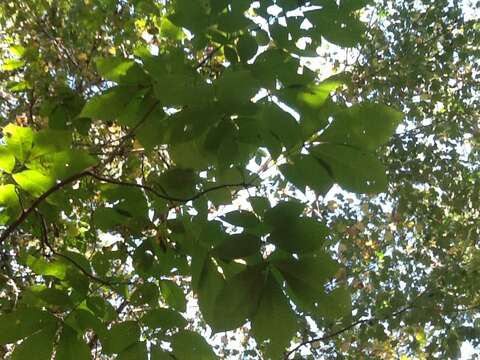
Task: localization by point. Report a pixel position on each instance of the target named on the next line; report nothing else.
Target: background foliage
(165, 171)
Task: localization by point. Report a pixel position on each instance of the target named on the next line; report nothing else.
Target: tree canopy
(178, 180)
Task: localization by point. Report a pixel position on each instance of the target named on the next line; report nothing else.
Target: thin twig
(208, 57)
(167, 197)
(346, 328)
(68, 258)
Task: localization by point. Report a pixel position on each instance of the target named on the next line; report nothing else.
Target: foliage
(154, 157)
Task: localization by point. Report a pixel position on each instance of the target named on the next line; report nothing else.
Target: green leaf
(9, 204)
(281, 125)
(274, 323)
(101, 308)
(173, 295)
(107, 218)
(121, 336)
(146, 293)
(233, 21)
(259, 204)
(247, 47)
(63, 164)
(71, 346)
(307, 276)
(23, 322)
(150, 132)
(284, 211)
(137, 351)
(7, 160)
(304, 171)
(230, 54)
(237, 246)
(341, 29)
(178, 183)
(19, 141)
(164, 319)
(189, 155)
(109, 105)
(241, 218)
(37, 346)
(310, 96)
(12, 64)
(120, 70)
(238, 299)
(364, 125)
(262, 38)
(242, 81)
(209, 285)
(33, 182)
(169, 30)
(189, 345)
(311, 101)
(336, 304)
(299, 235)
(48, 141)
(157, 353)
(57, 269)
(53, 297)
(353, 169)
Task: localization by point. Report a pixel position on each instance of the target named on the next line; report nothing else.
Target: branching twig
(346, 328)
(68, 258)
(208, 57)
(23, 216)
(164, 196)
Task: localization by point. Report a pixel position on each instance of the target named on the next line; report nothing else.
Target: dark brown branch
(164, 196)
(346, 328)
(89, 172)
(131, 133)
(25, 213)
(68, 258)
(208, 57)
(23, 216)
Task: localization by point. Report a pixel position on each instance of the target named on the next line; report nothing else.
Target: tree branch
(346, 328)
(23, 216)
(165, 196)
(89, 172)
(68, 258)
(208, 57)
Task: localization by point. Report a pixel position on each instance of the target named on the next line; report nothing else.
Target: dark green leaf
(237, 246)
(121, 336)
(353, 169)
(164, 319)
(109, 105)
(147, 293)
(304, 171)
(137, 351)
(37, 346)
(189, 345)
(274, 322)
(238, 299)
(71, 346)
(299, 235)
(283, 212)
(173, 295)
(307, 276)
(21, 323)
(365, 125)
(242, 218)
(247, 47)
